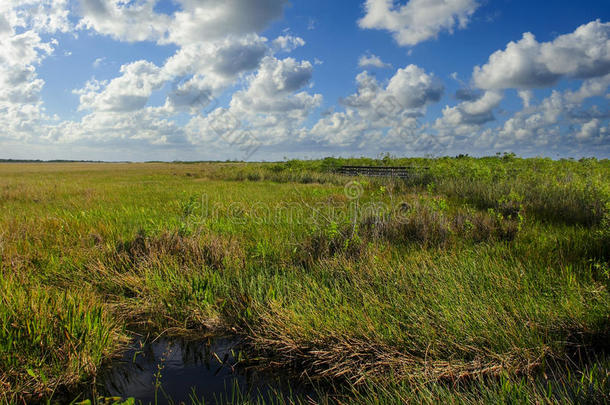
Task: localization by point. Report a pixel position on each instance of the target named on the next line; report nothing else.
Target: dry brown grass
(357, 360)
(203, 249)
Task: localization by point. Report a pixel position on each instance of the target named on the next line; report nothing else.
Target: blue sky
(268, 79)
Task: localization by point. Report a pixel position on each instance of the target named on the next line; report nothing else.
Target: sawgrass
(463, 284)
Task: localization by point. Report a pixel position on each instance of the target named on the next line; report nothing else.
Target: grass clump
(50, 338)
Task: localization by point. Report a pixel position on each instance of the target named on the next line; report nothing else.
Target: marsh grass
(50, 337)
(487, 274)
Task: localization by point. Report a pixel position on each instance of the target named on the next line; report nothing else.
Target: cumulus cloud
(21, 50)
(126, 21)
(218, 46)
(198, 73)
(225, 59)
(212, 20)
(411, 88)
(593, 130)
(372, 61)
(147, 126)
(526, 96)
(529, 64)
(270, 108)
(524, 66)
(555, 125)
(42, 16)
(418, 20)
(48, 16)
(126, 93)
(589, 88)
(217, 43)
(381, 116)
(558, 121)
(274, 104)
(468, 115)
(190, 95)
(532, 126)
(275, 79)
(196, 21)
(287, 43)
(414, 88)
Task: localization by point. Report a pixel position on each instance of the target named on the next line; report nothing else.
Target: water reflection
(169, 371)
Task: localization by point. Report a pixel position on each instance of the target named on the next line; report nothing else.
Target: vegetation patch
(474, 280)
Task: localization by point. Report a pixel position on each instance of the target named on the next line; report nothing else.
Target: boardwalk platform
(403, 172)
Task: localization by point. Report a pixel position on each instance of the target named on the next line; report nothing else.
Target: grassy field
(474, 281)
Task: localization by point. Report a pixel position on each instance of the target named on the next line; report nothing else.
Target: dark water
(174, 371)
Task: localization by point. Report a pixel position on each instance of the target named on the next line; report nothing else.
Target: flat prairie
(473, 280)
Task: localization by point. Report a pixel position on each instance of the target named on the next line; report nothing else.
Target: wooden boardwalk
(403, 172)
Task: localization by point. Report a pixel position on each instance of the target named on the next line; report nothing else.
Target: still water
(169, 371)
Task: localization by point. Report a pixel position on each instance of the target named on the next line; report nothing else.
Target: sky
(143, 80)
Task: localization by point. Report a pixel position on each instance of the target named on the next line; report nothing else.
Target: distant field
(472, 281)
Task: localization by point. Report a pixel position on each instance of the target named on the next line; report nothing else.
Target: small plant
(511, 206)
(188, 208)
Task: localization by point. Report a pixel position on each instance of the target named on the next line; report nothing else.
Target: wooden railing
(382, 171)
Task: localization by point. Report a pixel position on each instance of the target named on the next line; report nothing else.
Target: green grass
(485, 281)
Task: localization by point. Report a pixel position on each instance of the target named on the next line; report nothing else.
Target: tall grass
(484, 272)
(50, 338)
(567, 191)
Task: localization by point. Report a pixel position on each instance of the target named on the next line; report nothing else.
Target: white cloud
(225, 59)
(213, 67)
(148, 126)
(98, 62)
(467, 116)
(191, 95)
(271, 109)
(198, 73)
(210, 20)
(47, 15)
(280, 76)
(125, 21)
(418, 20)
(594, 131)
(526, 96)
(196, 21)
(219, 49)
(217, 45)
(41, 16)
(553, 123)
(378, 116)
(274, 99)
(528, 64)
(126, 93)
(21, 51)
(287, 43)
(411, 88)
(589, 88)
(414, 88)
(462, 124)
(341, 128)
(372, 61)
(533, 126)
